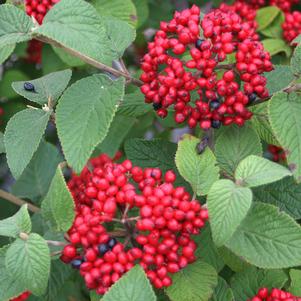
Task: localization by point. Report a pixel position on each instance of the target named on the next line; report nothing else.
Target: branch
(90, 60)
(15, 200)
(294, 88)
(56, 243)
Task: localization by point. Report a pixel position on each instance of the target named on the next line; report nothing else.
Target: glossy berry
(24, 296)
(216, 124)
(29, 87)
(103, 249)
(252, 97)
(76, 263)
(264, 294)
(112, 242)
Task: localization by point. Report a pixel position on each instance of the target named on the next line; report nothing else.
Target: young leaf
(234, 144)
(295, 287)
(266, 15)
(36, 178)
(76, 25)
(284, 115)
(28, 261)
(285, 194)
(199, 170)
(228, 204)
(14, 225)
(256, 171)
(134, 285)
(10, 287)
(222, 292)
(47, 88)
(194, 283)
(22, 137)
(123, 10)
(267, 238)
(296, 61)
(58, 206)
(84, 114)
(15, 25)
(6, 51)
(256, 279)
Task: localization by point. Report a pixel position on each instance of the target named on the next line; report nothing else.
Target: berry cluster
(157, 222)
(38, 10)
(200, 88)
(292, 25)
(285, 5)
(265, 294)
(278, 154)
(22, 297)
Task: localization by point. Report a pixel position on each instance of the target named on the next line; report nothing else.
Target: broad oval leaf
(200, 171)
(256, 171)
(222, 292)
(29, 262)
(228, 204)
(266, 15)
(58, 205)
(296, 61)
(267, 238)
(134, 285)
(194, 283)
(6, 51)
(284, 115)
(295, 287)
(22, 137)
(47, 88)
(84, 114)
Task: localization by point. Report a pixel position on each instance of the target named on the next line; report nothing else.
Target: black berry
(252, 97)
(112, 242)
(103, 249)
(200, 148)
(214, 104)
(157, 106)
(76, 263)
(198, 43)
(216, 124)
(29, 87)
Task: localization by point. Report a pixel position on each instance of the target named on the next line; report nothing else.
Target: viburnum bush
(150, 150)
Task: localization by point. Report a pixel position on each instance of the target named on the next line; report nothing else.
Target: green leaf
(9, 286)
(222, 292)
(134, 285)
(297, 40)
(58, 205)
(267, 238)
(194, 283)
(207, 250)
(279, 78)
(6, 51)
(119, 129)
(47, 88)
(22, 137)
(228, 204)
(29, 262)
(121, 35)
(296, 61)
(274, 30)
(36, 178)
(256, 171)
(284, 115)
(285, 194)
(133, 105)
(123, 10)
(14, 225)
(260, 123)
(235, 144)
(142, 11)
(2, 146)
(275, 46)
(15, 25)
(266, 15)
(84, 114)
(246, 284)
(199, 170)
(295, 287)
(75, 24)
(67, 58)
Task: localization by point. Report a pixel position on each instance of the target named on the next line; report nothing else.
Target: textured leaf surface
(234, 144)
(84, 114)
(276, 46)
(296, 61)
(194, 283)
(268, 238)
(36, 178)
(22, 137)
(256, 171)
(14, 225)
(29, 262)
(285, 194)
(6, 51)
(284, 115)
(222, 292)
(2, 146)
(123, 10)
(199, 170)
(58, 206)
(234, 262)
(133, 286)
(228, 204)
(47, 88)
(75, 24)
(295, 287)
(15, 25)
(246, 284)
